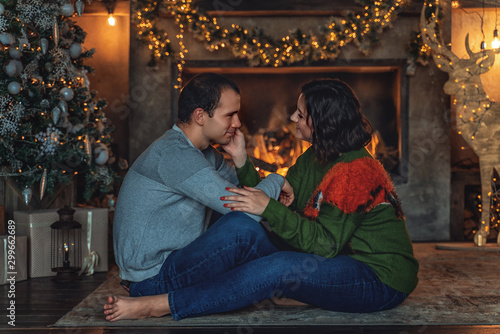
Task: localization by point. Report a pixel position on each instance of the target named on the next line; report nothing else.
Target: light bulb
(111, 20)
(496, 42)
(483, 45)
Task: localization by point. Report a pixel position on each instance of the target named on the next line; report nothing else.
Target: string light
(255, 46)
(496, 42)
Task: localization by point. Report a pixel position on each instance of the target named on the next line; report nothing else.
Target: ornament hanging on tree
(67, 9)
(79, 5)
(63, 106)
(14, 87)
(55, 33)
(10, 68)
(43, 183)
(75, 50)
(67, 93)
(101, 154)
(27, 195)
(44, 45)
(88, 149)
(2, 9)
(56, 114)
(6, 38)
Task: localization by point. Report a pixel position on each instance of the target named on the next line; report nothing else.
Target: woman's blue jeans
(233, 265)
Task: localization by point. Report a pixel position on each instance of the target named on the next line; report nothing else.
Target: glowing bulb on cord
(496, 42)
(111, 19)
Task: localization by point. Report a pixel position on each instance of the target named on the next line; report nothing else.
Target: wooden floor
(40, 302)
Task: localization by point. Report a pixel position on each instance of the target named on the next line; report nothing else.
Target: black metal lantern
(66, 246)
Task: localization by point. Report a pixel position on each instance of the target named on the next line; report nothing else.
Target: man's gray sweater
(165, 202)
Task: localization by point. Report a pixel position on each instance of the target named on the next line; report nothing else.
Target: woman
(345, 211)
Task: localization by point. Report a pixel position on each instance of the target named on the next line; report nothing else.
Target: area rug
(455, 288)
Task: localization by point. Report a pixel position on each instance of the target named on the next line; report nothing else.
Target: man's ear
(199, 116)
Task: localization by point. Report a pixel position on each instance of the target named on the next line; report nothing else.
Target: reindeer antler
(429, 36)
(487, 57)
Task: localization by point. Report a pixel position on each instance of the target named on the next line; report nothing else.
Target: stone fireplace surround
(424, 109)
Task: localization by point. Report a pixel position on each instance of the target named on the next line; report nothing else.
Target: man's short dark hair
(203, 91)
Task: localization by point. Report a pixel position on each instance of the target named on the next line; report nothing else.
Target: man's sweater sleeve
(198, 179)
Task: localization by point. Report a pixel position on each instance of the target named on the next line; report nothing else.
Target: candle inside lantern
(66, 256)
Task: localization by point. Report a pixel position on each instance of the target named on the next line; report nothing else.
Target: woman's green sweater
(376, 236)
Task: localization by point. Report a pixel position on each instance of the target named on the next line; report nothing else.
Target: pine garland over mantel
(361, 29)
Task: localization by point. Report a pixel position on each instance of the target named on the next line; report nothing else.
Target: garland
(361, 29)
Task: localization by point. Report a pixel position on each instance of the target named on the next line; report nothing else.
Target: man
(167, 197)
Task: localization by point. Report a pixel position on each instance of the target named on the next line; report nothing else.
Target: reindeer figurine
(477, 117)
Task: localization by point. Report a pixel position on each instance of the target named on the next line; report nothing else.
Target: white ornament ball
(67, 9)
(14, 87)
(15, 53)
(6, 38)
(75, 50)
(10, 68)
(67, 93)
(101, 154)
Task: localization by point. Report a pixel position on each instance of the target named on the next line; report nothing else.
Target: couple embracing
(338, 236)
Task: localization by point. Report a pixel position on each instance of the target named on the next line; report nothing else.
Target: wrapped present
(94, 244)
(17, 264)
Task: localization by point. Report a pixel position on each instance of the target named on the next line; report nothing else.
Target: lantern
(66, 246)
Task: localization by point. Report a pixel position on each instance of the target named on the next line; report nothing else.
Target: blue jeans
(233, 265)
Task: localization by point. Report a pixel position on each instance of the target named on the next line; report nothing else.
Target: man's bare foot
(287, 302)
(121, 307)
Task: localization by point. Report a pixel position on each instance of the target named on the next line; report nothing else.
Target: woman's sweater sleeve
(327, 235)
(247, 175)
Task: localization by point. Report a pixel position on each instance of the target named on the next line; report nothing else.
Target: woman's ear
(199, 116)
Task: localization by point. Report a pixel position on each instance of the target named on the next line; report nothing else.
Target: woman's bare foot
(287, 302)
(121, 307)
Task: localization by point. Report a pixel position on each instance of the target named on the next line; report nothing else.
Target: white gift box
(18, 245)
(36, 225)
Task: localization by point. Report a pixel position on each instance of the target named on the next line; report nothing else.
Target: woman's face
(301, 118)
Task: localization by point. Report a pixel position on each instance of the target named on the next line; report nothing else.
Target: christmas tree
(52, 126)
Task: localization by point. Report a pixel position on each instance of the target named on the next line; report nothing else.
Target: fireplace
(269, 97)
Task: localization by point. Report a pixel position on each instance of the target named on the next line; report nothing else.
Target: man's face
(222, 126)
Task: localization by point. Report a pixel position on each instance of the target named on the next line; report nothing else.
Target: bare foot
(287, 302)
(121, 307)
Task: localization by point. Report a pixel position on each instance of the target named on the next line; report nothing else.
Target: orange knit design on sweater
(356, 186)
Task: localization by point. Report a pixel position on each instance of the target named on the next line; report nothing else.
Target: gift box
(36, 225)
(17, 264)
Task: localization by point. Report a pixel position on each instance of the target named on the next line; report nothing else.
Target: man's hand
(251, 200)
(237, 149)
(286, 195)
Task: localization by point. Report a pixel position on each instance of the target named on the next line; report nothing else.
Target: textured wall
(425, 195)
(110, 62)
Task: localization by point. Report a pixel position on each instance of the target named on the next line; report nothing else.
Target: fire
(275, 151)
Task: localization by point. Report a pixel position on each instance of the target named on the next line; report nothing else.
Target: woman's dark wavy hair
(338, 124)
(203, 91)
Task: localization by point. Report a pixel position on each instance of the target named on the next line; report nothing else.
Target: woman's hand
(251, 200)
(286, 195)
(237, 149)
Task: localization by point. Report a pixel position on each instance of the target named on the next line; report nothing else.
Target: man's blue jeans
(233, 265)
